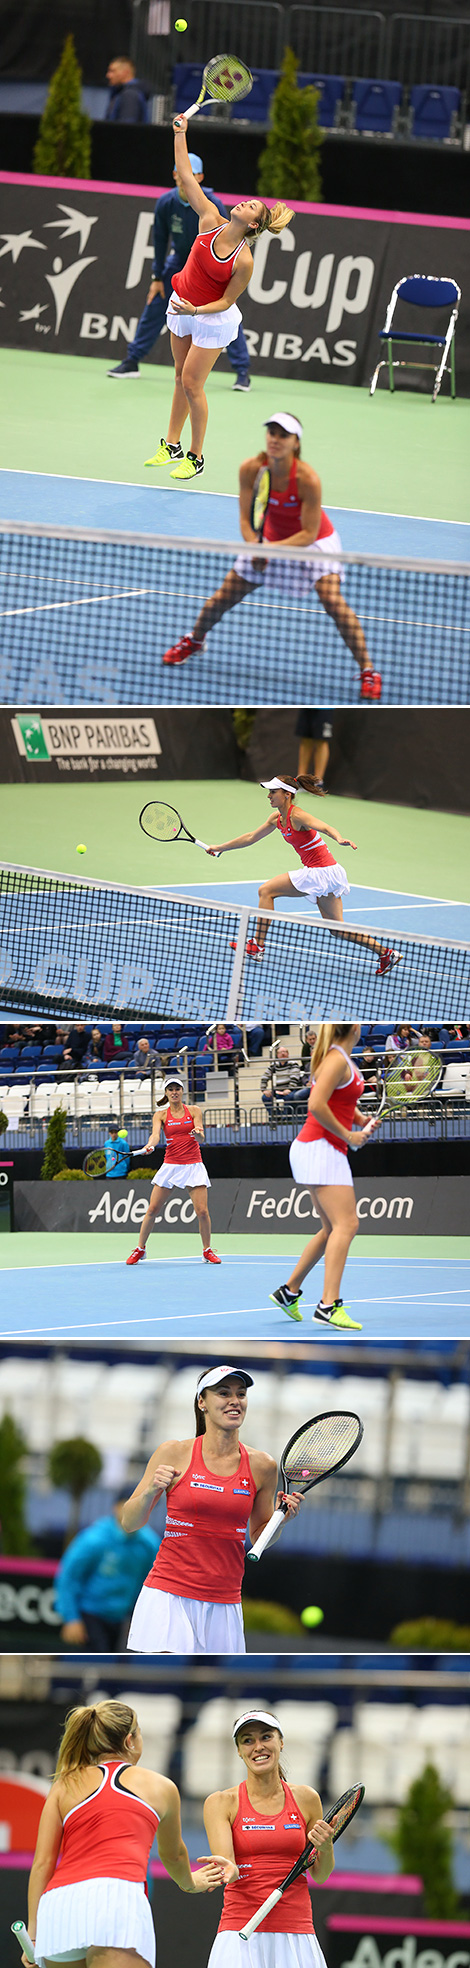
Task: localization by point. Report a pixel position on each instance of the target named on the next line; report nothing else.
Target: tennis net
(86, 617)
(71, 946)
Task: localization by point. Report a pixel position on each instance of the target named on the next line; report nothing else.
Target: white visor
(173, 1079)
(289, 424)
(277, 786)
(217, 1374)
(256, 1715)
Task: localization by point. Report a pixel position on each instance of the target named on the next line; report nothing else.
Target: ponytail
(93, 1732)
(327, 1034)
(200, 1418)
(306, 781)
(270, 221)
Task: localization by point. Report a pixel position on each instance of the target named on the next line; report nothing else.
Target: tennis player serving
(191, 1601)
(262, 1825)
(182, 1166)
(88, 1901)
(318, 1160)
(319, 876)
(203, 316)
(293, 516)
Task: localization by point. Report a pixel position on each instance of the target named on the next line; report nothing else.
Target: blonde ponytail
(279, 218)
(327, 1035)
(93, 1732)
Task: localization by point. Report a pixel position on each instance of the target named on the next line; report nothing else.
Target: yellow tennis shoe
(190, 467)
(167, 454)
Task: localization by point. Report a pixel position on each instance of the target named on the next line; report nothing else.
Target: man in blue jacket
(99, 1579)
(127, 101)
(175, 229)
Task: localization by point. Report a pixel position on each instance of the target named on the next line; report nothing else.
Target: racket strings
(226, 79)
(320, 1447)
(405, 1082)
(161, 822)
(346, 1808)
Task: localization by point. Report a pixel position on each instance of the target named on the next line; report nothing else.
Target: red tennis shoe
(188, 645)
(371, 685)
(211, 1257)
(387, 961)
(135, 1255)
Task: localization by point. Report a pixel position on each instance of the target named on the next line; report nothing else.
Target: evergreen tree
(15, 1538)
(289, 166)
(74, 1465)
(54, 1158)
(423, 1843)
(63, 148)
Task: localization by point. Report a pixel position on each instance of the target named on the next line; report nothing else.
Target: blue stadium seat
(10, 1053)
(255, 107)
(332, 88)
(187, 79)
(433, 108)
(53, 1053)
(30, 1054)
(375, 105)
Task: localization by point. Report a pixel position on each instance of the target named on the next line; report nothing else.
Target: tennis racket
(408, 1081)
(225, 80)
(316, 1449)
(18, 1928)
(343, 1811)
(260, 500)
(95, 1162)
(163, 823)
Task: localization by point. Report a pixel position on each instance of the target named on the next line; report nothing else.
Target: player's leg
(339, 1204)
(275, 885)
(333, 601)
(157, 1198)
(180, 348)
(287, 1296)
(331, 908)
(200, 1204)
(195, 371)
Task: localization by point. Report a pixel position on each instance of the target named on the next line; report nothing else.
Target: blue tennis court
(394, 1298)
(386, 909)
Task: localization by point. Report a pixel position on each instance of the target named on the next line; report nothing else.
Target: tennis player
(318, 1160)
(215, 1487)
(87, 1891)
(182, 1166)
(322, 879)
(203, 316)
(262, 1826)
(296, 518)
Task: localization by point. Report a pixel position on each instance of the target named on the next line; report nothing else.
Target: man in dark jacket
(127, 96)
(175, 229)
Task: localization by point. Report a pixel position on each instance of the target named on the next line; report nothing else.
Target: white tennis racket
(342, 1812)
(18, 1928)
(316, 1449)
(225, 80)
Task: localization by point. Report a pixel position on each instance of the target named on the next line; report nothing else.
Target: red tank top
(106, 1836)
(266, 1845)
(307, 843)
(203, 277)
(283, 514)
(202, 1554)
(343, 1103)
(181, 1142)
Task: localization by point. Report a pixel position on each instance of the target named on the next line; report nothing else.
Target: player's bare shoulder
(249, 471)
(225, 1801)
(263, 1466)
(308, 480)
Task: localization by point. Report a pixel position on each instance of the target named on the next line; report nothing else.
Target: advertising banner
(77, 259)
(386, 1206)
(26, 1602)
(355, 1941)
(50, 745)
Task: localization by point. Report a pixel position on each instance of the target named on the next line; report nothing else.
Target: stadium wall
(317, 296)
(420, 1206)
(395, 756)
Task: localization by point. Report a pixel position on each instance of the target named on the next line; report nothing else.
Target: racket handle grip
(207, 850)
(267, 1907)
(21, 1933)
(269, 1532)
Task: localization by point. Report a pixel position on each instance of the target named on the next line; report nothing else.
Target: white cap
(277, 786)
(289, 424)
(256, 1715)
(217, 1374)
(173, 1079)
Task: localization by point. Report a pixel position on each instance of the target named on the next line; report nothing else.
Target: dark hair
(306, 780)
(200, 1417)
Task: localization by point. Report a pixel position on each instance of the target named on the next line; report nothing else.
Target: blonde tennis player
(319, 1161)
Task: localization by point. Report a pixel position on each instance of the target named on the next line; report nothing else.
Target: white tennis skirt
(206, 330)
(164, 1624)
(181, 1175)
(266, 1951)
(112, 1913)
(319, 881)
(316, 1162)
(295, 578)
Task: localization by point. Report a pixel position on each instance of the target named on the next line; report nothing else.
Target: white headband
(255, 1715)
(217, 1374)
(286, 423)
(277, 786)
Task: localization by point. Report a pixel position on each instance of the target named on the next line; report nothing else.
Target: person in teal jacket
(98, 1580)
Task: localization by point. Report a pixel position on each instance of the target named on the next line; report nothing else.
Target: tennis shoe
(254, 949)
(335, 1315)
(166, 454)
(287, 1301)
(371, 685)
(129, 367)
(136, 1255)
(188, 645)
(242, 383)
(210, 1257)
(190, 467)
(387, 962)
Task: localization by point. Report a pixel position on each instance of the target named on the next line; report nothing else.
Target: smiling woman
(260, 1827)
(215, 1488)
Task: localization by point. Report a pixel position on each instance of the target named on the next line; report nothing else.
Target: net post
(236, 982)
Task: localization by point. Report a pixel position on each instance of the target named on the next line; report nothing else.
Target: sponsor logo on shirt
(239, 1492)
(253, 1824)
(198, 1483)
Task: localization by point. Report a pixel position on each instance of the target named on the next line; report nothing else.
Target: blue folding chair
(421, 290)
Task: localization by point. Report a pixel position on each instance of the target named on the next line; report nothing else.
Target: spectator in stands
(314, 730)
(115, 1046)
(307, 1048)
(14, 1037)
(400, 1039)
(284, 1081)
(175, 229)
(97, 1581)
(117, 1151)
(94, 1052)
(145, 1058)
(221, 1042)
(127, 96)
(75, 1045)
(369, 1064)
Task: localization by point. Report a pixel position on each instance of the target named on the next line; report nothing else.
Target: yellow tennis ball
(180, 26)
(312, 1616)
(81, 849)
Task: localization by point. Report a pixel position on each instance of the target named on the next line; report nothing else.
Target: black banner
(317, 297)
(6, 1194)
(424, 1205)
(27, 1601)
(354, 1941)
(90, 744)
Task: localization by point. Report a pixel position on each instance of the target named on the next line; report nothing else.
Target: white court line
(147, 485)
(170, 1319)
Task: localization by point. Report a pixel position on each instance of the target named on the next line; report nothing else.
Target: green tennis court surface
(401, 1289)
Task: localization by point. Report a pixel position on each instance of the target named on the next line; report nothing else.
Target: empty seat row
(429, 111)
